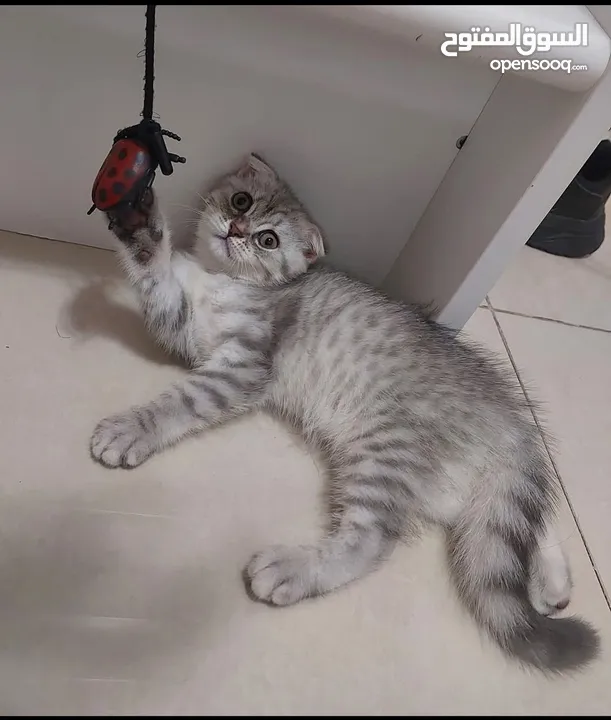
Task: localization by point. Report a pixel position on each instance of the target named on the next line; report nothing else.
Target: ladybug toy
(138, 150)
(129, 168)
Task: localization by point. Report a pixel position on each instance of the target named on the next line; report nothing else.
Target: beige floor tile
(574, 291)
(571, 374)
(120, 591)
(481, 328)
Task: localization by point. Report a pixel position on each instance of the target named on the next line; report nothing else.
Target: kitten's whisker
(188, 223)
(186, 207)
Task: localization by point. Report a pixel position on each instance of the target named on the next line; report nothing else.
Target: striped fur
(414, 424)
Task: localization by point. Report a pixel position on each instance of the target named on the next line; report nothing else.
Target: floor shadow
(95, 310)
(52, 620)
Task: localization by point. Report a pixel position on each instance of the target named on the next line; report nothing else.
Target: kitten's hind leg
(365, 536)
(549, 588)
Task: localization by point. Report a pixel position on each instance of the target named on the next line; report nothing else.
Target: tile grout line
(545, 319)
(549, 454)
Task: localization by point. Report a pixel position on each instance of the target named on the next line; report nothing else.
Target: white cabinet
(360, 118)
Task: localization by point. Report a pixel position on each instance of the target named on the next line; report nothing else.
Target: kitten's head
(257, 229)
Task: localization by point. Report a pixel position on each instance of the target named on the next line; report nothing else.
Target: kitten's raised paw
(282, 575)
(121, 441)
(125, 219)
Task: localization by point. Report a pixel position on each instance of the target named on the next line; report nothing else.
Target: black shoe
(575, 226)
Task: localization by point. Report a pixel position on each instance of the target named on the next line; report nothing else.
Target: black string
(149, 63)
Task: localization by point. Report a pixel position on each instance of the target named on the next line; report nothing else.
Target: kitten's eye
(268, 240)
(241, 202)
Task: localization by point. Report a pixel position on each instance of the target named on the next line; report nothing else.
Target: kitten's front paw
(125, 220)
(121, 440)
(282, 575)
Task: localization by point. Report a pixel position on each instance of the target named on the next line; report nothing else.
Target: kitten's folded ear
(255, 165)
(315, 248)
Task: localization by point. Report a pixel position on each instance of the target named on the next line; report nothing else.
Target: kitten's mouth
(224, 241)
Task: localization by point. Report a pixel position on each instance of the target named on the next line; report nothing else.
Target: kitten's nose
(237, 228)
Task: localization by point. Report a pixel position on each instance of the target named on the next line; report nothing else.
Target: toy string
(149, 63)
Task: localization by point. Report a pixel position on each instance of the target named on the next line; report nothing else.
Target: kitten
(414, 424)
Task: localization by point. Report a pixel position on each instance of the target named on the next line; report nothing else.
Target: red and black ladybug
(122, 178)
(129, 168)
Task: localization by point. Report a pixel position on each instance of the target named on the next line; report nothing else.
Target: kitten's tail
(490, 550)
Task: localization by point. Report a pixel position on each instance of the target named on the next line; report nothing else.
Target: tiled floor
(120, 592)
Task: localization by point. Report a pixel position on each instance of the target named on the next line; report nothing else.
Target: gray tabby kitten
(414, 424)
